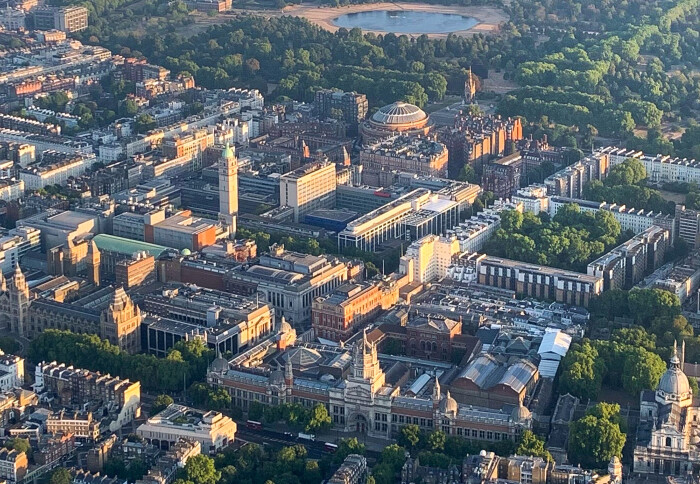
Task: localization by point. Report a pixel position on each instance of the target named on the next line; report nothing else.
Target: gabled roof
(555, 342)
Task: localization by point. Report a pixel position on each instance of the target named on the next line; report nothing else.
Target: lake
(406, 21)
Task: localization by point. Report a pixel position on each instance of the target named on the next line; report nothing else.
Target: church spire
(436, 389)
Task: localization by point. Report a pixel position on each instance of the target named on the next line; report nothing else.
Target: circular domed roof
(219, 364)
(449, 404)
(186, 252)
(674, 382)
(285, 327)
(520, 413)
(399, 113)
(674, 385)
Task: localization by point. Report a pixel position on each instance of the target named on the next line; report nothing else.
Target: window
(668, 441)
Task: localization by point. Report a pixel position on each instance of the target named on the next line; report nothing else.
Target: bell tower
(228, 189)
(19, 303)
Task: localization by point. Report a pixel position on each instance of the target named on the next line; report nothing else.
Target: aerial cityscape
(349, 242)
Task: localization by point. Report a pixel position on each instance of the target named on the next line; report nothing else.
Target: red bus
(329, 448)
(252, 424)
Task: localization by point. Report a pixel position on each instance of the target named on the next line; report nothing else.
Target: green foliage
(597, 437)
(8, 345)
(200, 469)
(530, 444)
(569, 241)
(625, 185)
(160, 403)
(215, 398)
(319, 418)
(436, 441)
(409, 436)
(19, 444)
(90, 352)
(61, 476)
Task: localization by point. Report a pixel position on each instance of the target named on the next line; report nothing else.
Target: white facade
(431, 256)
(11, 372)
(35, 178)
(12, 18)
(212, 430)
(11, 189)
(15, 245)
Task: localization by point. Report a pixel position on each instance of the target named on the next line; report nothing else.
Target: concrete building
(212, 430)
(182, 231)
(540, 282)
(569, 181)
(429, 257)
(308, 188)
(65, 19)
(15, 245)
(628, 263)
(351, 105)
(402, 153)
(228, 190)
(410, 216)
(290, 281)
(227, 322)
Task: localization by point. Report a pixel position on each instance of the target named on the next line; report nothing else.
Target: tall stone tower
(228, 189)
(469, 88)
(120, 322)
(93, 263)
(19, 303)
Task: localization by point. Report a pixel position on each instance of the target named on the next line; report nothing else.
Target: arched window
(668, 441)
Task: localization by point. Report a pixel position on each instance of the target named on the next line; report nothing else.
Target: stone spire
(436, 390)
(288, 372)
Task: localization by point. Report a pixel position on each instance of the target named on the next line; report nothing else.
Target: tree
(436, 440)
(144, 122)
(532, 445)
(200, 469)
(319, 418)
(19, 444)
(61, 476)
(467, 174)
(642, 370)
(160, 403)
(597, 437)
(409, 436)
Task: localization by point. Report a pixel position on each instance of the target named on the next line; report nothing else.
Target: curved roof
(449, 404)
(674, 382)
(120, 245)
(399, 113)
(520, 413)
(219, 364)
